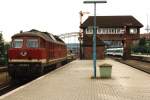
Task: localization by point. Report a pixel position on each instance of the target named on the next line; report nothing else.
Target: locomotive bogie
(22, 70)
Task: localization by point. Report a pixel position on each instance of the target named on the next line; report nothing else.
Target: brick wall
(88, 54)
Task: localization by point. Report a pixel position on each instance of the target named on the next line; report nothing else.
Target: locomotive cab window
(32, 43)
(17, 43)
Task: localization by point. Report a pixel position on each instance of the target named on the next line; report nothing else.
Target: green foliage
(6, 46)
(3, 50)
(143, 47)
(1, 45)
(142, 42)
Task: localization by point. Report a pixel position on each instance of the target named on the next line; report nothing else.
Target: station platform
(73, 82)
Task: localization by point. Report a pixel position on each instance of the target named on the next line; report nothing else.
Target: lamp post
(94, 32)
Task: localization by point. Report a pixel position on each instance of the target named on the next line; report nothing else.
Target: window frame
(32, 40)
(16, 40)
(135, 30)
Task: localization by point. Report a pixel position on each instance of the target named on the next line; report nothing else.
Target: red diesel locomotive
(33, 51)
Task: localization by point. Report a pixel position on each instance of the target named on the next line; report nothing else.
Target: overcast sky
(61, 16)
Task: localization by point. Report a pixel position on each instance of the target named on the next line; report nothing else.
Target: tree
(143, 47)
(2, 51)
(142, 42)
(1, 44)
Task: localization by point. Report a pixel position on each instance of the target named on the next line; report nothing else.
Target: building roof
(112, 21)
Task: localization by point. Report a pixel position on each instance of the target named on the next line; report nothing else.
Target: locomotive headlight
(23, 53)
(37, 65)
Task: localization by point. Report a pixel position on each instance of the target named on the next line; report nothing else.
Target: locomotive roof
(45, 35)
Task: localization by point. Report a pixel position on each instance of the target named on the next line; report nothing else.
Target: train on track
(33, 52)
(114, 51)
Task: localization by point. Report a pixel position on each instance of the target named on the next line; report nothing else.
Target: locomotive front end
(26, 58)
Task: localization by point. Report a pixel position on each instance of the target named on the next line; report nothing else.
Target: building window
(17, 43)
(108, 31)
(104, 30)
(86, 30)
(89, 30)
(113, 30)
(133, 30)
(120, 31)
(100, 31)
(32, 43)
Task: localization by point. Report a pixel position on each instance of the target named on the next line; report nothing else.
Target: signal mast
(81, 32)
(147, 27)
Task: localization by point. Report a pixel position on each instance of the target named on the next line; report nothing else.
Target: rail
(138, 64)
(145, 58)
(3, 69)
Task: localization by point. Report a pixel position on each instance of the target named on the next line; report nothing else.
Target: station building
(109, 28)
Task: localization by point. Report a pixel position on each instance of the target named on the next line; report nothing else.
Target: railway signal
(81, 33)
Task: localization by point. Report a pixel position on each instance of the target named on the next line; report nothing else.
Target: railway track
(11, 86)
(135, 63)
(140, 58)
(3, 69)
(7, 85)
(4, 81)
(4, 89)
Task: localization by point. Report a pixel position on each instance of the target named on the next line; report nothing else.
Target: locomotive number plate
(23, 65)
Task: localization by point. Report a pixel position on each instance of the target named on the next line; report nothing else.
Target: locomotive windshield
(32, 43)
(17, 43)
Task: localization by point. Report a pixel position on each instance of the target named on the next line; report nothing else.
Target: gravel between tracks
(144, 66)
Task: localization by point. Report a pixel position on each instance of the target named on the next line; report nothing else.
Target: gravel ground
(4, 77)
(144, 66)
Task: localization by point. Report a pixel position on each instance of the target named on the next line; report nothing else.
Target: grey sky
(61, 16)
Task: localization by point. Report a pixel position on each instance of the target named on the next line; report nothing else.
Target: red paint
(36, 53)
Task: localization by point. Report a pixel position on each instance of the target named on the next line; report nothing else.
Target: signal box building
(109, 28)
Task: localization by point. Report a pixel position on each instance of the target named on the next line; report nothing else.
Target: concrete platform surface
(73, 82)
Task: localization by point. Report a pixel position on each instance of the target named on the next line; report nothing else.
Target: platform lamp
(94, 32)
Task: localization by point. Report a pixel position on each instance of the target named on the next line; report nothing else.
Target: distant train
(33, 51)
(114, 51)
